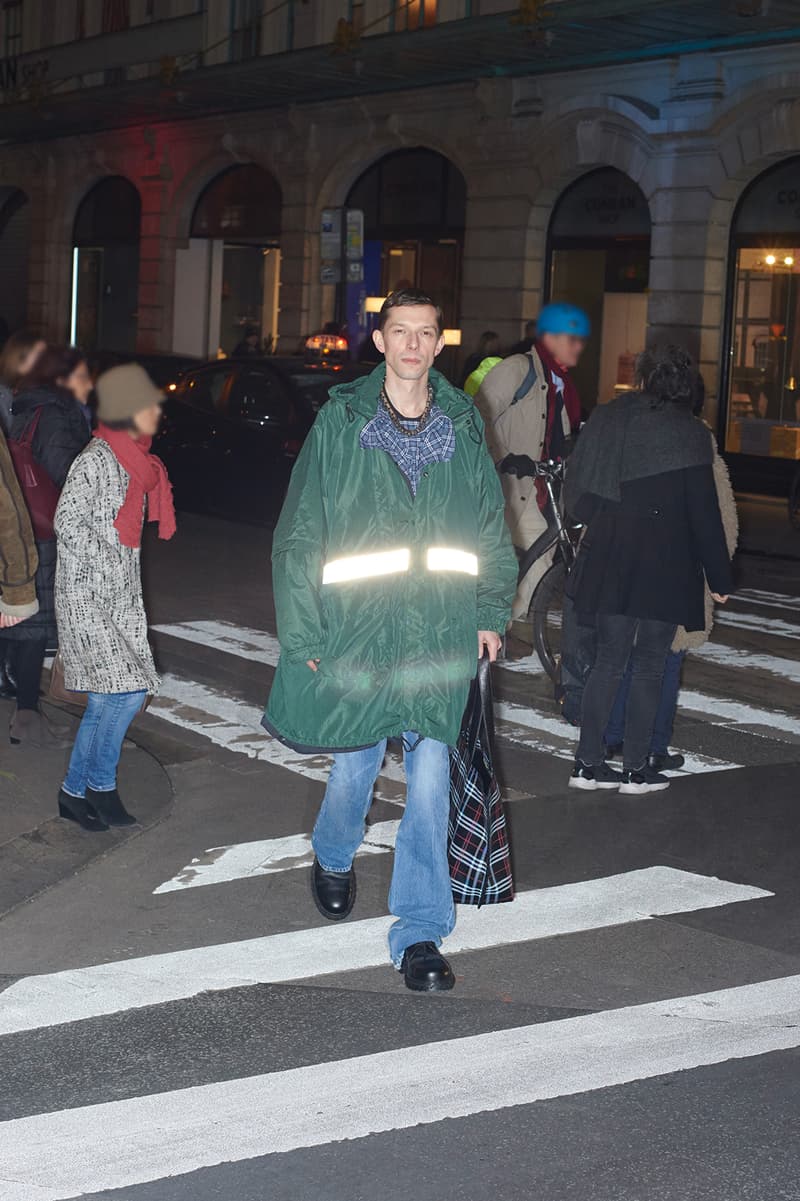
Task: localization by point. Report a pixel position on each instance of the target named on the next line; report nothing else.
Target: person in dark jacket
(45, 397)
(17, 358)
(249, 346)
(641, 480)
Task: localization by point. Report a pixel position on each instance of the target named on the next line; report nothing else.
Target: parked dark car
(233, 429)
(164, 369)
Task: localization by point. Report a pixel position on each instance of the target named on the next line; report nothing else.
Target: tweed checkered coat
(102, 624)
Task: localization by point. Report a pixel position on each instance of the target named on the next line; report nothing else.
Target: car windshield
(313, 387)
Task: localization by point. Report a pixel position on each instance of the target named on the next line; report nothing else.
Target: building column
(687, 284)
(299, 300)
(156, 270)
(496, 292)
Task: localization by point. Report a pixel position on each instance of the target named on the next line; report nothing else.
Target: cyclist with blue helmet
(531, 409)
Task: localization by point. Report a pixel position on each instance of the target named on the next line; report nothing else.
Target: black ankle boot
(76, 809)
(425, 969)
(334, 893)
(8, 689)
(110, 808)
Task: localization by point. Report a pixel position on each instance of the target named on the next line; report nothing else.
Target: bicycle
(547, 602)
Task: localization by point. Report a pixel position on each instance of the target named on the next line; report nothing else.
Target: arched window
(414, 204)
(599, 258)
(14, 252)
(227, 279)
(762, 381)
(105, 264)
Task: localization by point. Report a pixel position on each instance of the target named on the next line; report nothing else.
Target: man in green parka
(393, 570)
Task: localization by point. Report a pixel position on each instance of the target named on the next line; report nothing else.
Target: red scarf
(147, 476)
(572, 404)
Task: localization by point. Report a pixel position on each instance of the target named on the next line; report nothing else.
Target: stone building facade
(688, 132)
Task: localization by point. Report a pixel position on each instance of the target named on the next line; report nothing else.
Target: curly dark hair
(668, 375)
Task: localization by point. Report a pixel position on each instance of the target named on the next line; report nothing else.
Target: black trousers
(25, 659)
(619, 639)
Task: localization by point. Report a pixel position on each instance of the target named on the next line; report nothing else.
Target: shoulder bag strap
(528, 382)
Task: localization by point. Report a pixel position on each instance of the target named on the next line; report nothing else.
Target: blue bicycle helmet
(562, 318)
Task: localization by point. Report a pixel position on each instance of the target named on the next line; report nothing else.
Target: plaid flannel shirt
(434, 443)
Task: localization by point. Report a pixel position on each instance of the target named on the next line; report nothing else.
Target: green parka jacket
(381, 586)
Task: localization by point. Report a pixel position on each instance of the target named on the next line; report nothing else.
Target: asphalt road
(178, 1023)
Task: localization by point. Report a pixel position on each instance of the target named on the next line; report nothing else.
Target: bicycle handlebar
(523, 465)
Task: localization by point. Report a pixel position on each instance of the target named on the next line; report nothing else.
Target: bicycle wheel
(545, 615)
(794, 502)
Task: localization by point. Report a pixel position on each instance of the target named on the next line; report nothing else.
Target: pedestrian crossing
(56, 1156)
(232, 722)
(125, 1132)
(135, 1136)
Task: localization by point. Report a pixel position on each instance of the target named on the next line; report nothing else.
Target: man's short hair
(409, 296)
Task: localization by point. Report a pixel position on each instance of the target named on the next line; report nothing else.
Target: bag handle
(487, 702)
(30, 432)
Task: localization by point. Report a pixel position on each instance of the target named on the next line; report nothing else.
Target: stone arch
(200, 175)
(357, 158)
(578, 143)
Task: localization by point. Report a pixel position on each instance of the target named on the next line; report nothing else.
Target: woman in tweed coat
(101, 618)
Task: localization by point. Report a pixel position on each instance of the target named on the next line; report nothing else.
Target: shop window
(246, 39)
(116, 15)
(415, 14)
(105, 259)
(763, 392)
(599, 258)
(12, 23)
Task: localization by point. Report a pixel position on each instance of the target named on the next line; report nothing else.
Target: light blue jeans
(420, 896)
(98, 743)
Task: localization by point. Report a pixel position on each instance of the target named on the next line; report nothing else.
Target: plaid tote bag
(478, 850)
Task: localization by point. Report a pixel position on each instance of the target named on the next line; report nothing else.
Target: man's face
(565, 348)
(410, 340)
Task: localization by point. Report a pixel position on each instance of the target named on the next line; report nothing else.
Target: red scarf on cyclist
(571, 402)
(147, 477)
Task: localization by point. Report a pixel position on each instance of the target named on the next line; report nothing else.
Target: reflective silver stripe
(365, 567)
(446, 558)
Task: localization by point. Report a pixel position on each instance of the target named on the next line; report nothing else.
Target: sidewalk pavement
(37, 847)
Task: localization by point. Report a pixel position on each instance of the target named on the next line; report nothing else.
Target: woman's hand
(6, 622)
(721, 600)
(491, 642)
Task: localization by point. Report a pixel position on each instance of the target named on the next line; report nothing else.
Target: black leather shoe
(334, 893)
(425, 969)
(665, 762)
(109, 808)
(76, 809)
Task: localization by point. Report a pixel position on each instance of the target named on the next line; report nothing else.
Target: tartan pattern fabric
(478, 846)
(435, 443)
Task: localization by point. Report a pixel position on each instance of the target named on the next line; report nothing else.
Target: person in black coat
(641, 480)
(48, 397)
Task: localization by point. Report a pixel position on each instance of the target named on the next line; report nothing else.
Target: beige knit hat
(124, 391)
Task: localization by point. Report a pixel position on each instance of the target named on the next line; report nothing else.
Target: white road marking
(718, 711)
(236, 726)
(258, 646)
(522, 726)
(772, 600)
(79, 993)
(722, 655)
(762, 625)
(244, 860)
(55, 1156)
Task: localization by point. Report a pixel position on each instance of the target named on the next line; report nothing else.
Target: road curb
(35, 860)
